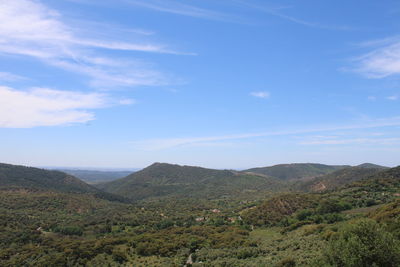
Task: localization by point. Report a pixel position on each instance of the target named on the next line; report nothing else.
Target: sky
(220, 84)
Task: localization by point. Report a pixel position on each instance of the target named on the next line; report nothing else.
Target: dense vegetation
(338, 178)
(356, 223)
(160, 180)
(296, 171)
(28, 177)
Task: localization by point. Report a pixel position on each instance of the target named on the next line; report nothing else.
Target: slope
(14, 177)
(162, 179)
(338, 178)
(296, 171)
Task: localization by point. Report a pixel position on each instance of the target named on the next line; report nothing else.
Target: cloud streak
(177, 8)
(10, 77)
(354, 141)
(275, 11)
(29, 28)
(167, 143)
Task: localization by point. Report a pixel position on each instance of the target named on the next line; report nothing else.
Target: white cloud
(166, 143)
(9, 77)
(47, 107)
(392, 97)
(381, 62)
(260, 94)
(371, 98)
(29, 28)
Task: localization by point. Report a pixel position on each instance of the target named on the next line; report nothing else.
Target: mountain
(96, 176)
(14, 177)
(161, 179)
(371, 165)
(296, 171)
(339, 178)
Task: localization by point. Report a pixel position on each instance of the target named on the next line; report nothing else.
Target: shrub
(364, 243)
(287, 262)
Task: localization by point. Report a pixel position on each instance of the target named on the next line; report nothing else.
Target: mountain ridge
(296, 171)
(163, 179)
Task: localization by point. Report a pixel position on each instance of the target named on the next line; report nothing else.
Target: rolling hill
(161, 179)
(14, 177)
(339, 178)
(371, 165)
(296, 171)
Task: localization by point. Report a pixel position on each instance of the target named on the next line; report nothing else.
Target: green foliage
(287, 262)
(296, 171)
(364, 243)
(339, 178)
(167, 180)
(68, 230)
(220, 224)
(276, 209)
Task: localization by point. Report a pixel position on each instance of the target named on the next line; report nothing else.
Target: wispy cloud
(29, 28)
(178, 8)
(166, 143)
(10, 77)
(354, 141)
(260, 94)
(49, 107)
(382, 61)
(277, 12)
(392, 97)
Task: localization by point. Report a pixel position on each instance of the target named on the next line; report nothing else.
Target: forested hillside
(12, 176)
(162, 179)
(296, 171)
(356, 222)
(339, 178)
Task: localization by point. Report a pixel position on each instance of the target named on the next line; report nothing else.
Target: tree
(364, 243)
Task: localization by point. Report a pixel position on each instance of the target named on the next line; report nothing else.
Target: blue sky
(221, 84)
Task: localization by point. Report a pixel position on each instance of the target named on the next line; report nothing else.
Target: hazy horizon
(111, 169)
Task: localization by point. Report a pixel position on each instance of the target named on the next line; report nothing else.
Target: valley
(165, 214)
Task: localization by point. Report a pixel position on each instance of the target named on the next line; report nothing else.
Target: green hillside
(338, 178)
(28, 177)
(13, 177)
(371, 166)
(162, 179)
(357, 222)
(296, 171)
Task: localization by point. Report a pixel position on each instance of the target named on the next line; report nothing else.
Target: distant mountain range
(96, 176)
(161, 179)
(169, 180)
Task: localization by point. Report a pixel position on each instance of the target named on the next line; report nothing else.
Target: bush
(364, 243)
(69, 230)
(288, 262)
